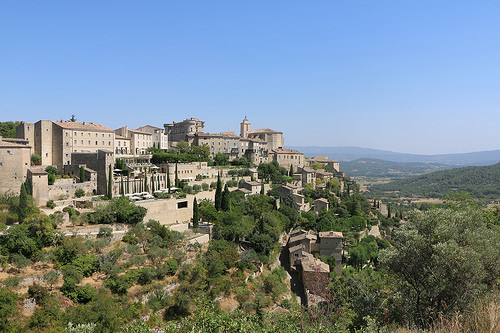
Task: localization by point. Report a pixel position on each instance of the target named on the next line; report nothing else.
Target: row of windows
(97, 134)
(96, 143)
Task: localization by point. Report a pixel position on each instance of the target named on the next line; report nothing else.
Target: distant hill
(371, 167)
(354, 153)
(479, 181)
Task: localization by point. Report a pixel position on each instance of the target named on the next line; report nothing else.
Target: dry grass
(483, 318)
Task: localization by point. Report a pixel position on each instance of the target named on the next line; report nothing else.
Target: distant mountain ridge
(371, 167)
(354, 153)
(479, 181)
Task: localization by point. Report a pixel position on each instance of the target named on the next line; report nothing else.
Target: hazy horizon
(419, 78)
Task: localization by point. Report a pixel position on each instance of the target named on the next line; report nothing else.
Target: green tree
(82, 174)
(218, 194)
(23, 208)
(168, 178)
(8, 301)
(220, 159)
(110, 183)
(196, 216)
(176, 177)
(225, 204)
(290, 173)
(454, 260)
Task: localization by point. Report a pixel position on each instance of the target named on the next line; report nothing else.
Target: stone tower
(244, 128)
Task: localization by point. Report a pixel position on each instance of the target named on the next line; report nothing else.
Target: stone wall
(171, 211)
(66, 187)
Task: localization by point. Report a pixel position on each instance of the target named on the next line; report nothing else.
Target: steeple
(244, 128)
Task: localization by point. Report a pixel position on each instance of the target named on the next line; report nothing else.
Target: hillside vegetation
(371, 167)
(480, 182)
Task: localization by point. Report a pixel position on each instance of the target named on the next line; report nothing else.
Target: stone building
(97, 161)
(15, 160)
(179, 131)
(320, 204)
(324, 243)
(122, 147)
(39, 185)
(287, 157)
(140, 141)
(226, 143)
(159, 138)
(55, 141)
(333, 165)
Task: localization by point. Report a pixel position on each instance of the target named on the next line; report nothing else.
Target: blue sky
(407, 76)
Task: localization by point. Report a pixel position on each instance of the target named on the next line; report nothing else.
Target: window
(103, 135)
(96, 143)
(182, 204)
(75, 142)
(81, 142)
(10, 152)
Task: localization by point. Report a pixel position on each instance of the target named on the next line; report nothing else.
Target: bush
(51, 204)
(71, 211)
(39, 293)
(79, 193)
(51, 178)
(12, 281)
(146, 276)
(130, 239)
(205, 187)
(213, 185)
(20, 261)
(86, 264)
(187, 189)
(196, 188)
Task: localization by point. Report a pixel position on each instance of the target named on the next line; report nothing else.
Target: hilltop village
(75, 165)
(168, 229)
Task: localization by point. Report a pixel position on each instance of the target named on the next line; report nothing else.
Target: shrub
(146, 276)
(196, 188)
(205, 187)
(12, 281)
(39, 293)
(51, 204)
(86, 264)
(71, 211)
(187, 189)
(20, 261)
(130, 239)
(79, 193)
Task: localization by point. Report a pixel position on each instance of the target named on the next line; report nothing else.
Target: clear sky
(408, 76)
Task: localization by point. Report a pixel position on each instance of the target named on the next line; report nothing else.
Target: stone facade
(140, 141)
(287, 157)
(160, 139)
(55, 141)
(15, 159)
(179, 131)
(99, 162)
(39, 186)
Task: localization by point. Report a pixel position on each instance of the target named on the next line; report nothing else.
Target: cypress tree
(176, 177)
(290, 174)
(82, 174)
(225, 199)
(152, 183)
(122, 189)
(388, 211)
(145, 181)
(168, 178)
(196, 216)
(22, 209)
(110, 183)
(135, 186)
(262, 189)
(218, 194)
(128, 184)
